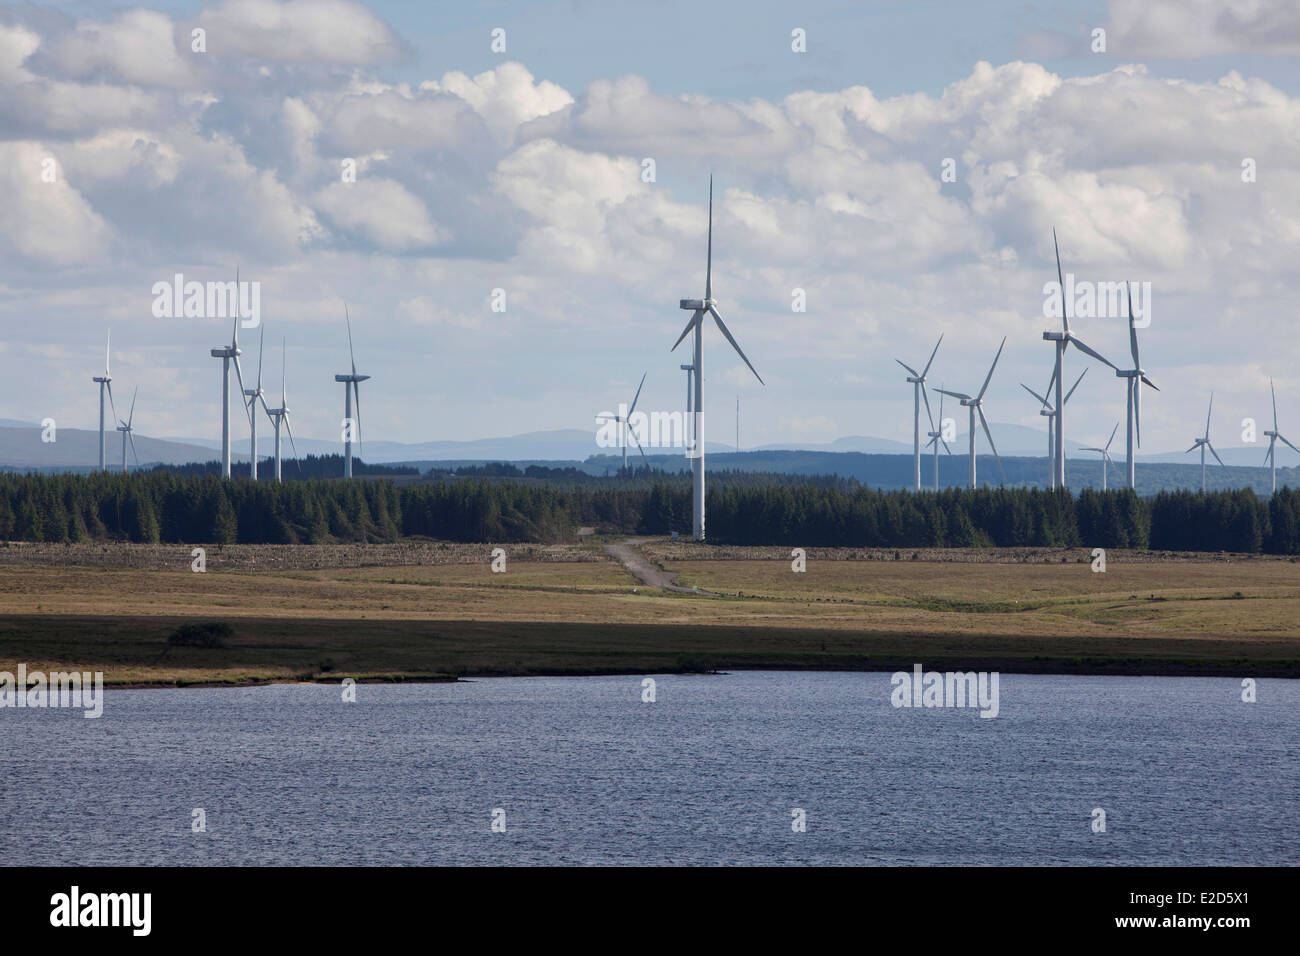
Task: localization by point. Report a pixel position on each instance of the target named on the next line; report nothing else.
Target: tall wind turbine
(1050, 414)
(625, 427)
(351, 386)
(976, 407)
(105, 382)
(1273, 436)
(1204, 443)
(125, 429)
(935, 438)
(226, 354)
(1105, 455)
(918, 393)
(1135, 378)
(1063, 339)
(253, 396)
(280, 416)
(698, 308)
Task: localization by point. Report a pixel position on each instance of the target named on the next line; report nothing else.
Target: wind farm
(890, 601)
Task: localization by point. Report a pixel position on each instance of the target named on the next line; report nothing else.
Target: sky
(525, 170)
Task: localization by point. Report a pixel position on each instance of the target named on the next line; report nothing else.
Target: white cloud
(1193, 28)
(382, 211)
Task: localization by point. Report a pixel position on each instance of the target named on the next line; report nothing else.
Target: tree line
(743, 508)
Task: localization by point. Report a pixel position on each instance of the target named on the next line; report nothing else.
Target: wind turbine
(1105, 455)
(935, 438)
(976, 407)
(280, 415)
(1050, 413)
(105, 381)
(125, 429)
(1273, 436)
(625, 429)
(226, 353)
(1135, 377)
(918, 393)
(1063, 339)
(254, 395)
(1204, 443)
(351, 385)
(699, 308)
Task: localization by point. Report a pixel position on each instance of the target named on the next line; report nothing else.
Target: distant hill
(78, 448)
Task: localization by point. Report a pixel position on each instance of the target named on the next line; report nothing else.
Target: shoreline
(1280, 670)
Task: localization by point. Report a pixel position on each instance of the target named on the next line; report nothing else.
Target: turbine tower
(125, 429)
(699, 308)
(1105, 455)
(625, 426)
(1273, 437)
(351, 386)
(1063, 339)
(1204, 443)
(1050, 414)
(105, 382)
(280, 416)
(976, 407)
(226, 354)
(1135, 378)
(918, 394)
(935, 438)
(253, 396)
(686, 425)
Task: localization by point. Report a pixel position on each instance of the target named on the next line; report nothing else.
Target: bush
(212, 634)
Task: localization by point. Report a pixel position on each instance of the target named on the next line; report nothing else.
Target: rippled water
(709, 773)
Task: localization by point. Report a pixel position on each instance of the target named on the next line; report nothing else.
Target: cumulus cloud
(381, 211)
(46, 222)
(1192, 28)
(334, 32)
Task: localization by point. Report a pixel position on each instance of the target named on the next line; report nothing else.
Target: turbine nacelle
(696, 305)
(350, 378)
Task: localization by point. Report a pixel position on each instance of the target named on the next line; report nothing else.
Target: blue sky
(482, 170)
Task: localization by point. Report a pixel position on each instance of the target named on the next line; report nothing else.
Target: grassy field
(376, 615)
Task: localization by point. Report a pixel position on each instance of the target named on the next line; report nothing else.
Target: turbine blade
(638, 395)
(1065, 319)
(356, 390)
(1035, 394)
(131, 416)
(1273, 391)
(638, 445)
(1132, 329)
(283, 403)
(989, 435)
(261, 342)
(932, 355)
(1137, 409)
(708, 271)
(1268, 455)
(690, 324)
(108, 346)
(1093, 352)
(1289, 445)
(1193, 448)
(913, 372)
(292, 443)
(131, 437)
(351, 354)
(111, 404)
(725, 331)
(240, 375)
(1215, 454)
(1074, 386)
(1207, 417)
(1112, 436)
(947, 448)
(953, 394)
(989, 377)
(1149, 383)
(926, 399)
